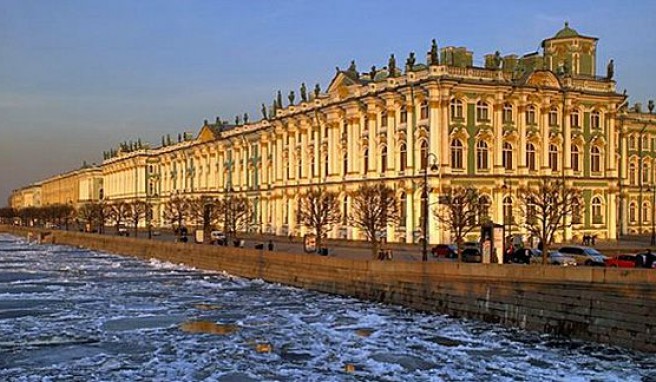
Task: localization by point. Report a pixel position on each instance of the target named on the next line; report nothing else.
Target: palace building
(496, 127)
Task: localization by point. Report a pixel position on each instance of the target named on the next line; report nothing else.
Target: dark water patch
(48, 342)
(138, 323)
(24, 289)
(10, 277)
(408, 362)
(46, 356)
(445, 341)
(20, 304)
(17, 313)
(293, 356)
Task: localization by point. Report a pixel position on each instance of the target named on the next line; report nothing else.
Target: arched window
(507, 113)
(484, 204)
(632, 142)
(508, 210)
(574, 118)
(300, 167)
(403, 209)
(595, 120)
(507, 156)
(365, 159)
(553, 157)
(456, 109)
(383, 118)
(577, 213)
(482, 114)
(645, 172)
(576, 159)
(595, 159)
(423, 110)
(646, 212)
(530, 115)
(481, 155)
(457, 154)
(530, 157)
(345, 163)
(632, 212)
(313, 168)
(345, 210)
(632, 174)
(404, 114)
(553, 116)
(403, 156)
(424, 154)
(325, 164)
(383, 159)
(597, 210)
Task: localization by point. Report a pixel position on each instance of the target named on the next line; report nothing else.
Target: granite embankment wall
(598, 304)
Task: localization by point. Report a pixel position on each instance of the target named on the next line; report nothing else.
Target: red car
(621, 261)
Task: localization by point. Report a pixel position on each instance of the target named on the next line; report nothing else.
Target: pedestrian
(640, 260)
(290, 237)
(270, 245)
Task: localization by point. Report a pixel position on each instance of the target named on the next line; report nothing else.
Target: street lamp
(653, 207)
(507, 186)
(424, 199)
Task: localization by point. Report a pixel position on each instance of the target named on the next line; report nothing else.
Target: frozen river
(68, 314)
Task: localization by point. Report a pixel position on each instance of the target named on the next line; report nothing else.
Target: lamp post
(507, 186)
(652, 188)
(424, 205)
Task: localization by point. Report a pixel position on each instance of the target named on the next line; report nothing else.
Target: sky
(79, 77)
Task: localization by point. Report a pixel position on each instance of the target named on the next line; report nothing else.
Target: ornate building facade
(497, 127)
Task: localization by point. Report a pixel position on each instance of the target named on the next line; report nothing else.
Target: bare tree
(137, 212)
(234, 212)
(119, 213)
(458, 213)
(7, 215)
(544, 208)
(176, 211)
(89, 214)
(203, 211)
(319, 211)
(374, 208)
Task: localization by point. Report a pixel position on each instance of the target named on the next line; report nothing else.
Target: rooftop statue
(497, 60)
(291, 98)
(245, 118)
(391, 65)
(304, 96)
(317, 90)
(264, 112)
(372, 73)
(432, 55)
(610, 69)
(410, 62)
(279, 100)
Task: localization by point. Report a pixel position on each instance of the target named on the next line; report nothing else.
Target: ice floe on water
(74, 314)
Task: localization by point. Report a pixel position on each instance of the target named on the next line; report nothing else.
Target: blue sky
(78, 77)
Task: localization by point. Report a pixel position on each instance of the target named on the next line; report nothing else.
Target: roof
(568, 32)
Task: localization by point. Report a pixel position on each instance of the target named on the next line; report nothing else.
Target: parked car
(554, 258)
(646, 259)
(447, 251)
(471, 255)
(524, 255)
(584, 255)
(123, 231)
(217, 237)
(622, 261)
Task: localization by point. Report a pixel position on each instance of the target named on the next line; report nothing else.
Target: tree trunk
(374, 249)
